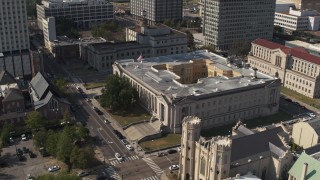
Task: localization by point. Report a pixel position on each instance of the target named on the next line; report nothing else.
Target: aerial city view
(160, 89)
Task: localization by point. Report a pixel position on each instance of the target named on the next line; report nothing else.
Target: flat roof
(108, 46)
(164, 81)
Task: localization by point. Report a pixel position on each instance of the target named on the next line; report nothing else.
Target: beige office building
(307, 4)
(306, 134)
(297, 69)
(264, 152)
(200, 84)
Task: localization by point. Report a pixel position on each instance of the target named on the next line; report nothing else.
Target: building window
(203, 166)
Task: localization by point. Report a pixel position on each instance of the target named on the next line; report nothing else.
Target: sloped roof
(313, 170)
(39, 85)
(313, 150)
(6, 78)
(296, 52)
(13, 95)
(249, 145)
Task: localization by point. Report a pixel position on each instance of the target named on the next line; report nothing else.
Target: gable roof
(13, 95)
(39, 84)
(296, 52)
(313, 170)
(6, 78)
(249, 145)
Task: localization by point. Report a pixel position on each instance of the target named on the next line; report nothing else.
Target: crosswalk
(112, 173)
(151, 178)
(153, 166)
(126, 159)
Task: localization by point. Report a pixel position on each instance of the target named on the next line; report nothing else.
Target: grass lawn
(135, 114)
(94, 85)
(252, 123)
(163, 142)
(312, 102)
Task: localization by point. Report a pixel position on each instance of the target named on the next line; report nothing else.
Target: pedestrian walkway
(112, 173)
(153, 166)
(151, 178)
(126, 159)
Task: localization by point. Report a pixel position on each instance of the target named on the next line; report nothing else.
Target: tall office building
(226, 23)
(157, 10)
(86, 13)
(307, 4)
(14, 38)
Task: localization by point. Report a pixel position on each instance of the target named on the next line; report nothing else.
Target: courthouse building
(201, 84)
(297, 69)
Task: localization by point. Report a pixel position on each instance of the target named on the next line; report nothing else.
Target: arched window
(202, 166)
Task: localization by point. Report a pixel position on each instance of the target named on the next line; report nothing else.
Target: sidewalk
(303, 104)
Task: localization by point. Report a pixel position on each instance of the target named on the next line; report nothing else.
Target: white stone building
(201, 84)
(49, 31)
(306, 134)
(297, 69)
(14, 38)
(264, 152)
(298, 20)
(86, 13)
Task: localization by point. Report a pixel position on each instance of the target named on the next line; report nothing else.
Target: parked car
(171, 151)
(25, 150)
(129, 147)
(179, 149)
(118, 157)
(311, 114)
(11, 140)
(83, 173)
(54, 168)
(24, 137)
(174, 167)
(84, 95)
(88, 99)
(106, 121)
(124, 141)
(118, 134)
(19, 151)
(32, 155)
(29, 177)
(43, 152)
(20, 157)
(161, 154)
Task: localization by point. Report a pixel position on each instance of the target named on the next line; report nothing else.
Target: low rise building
(264, 152)
(298, 20)
(297, 69)
(306, 134)
(201, 84)
(306, 167)
(146, 41)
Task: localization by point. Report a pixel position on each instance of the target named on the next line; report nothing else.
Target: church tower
(191, 127)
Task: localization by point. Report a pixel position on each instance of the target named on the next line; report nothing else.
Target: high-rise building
(86, 13)
(307, 4)
(157, 10)
(227, 23)
(14, 38)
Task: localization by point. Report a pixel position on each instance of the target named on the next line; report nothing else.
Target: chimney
(255, 72)
(304, 171)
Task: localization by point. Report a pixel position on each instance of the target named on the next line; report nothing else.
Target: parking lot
(34, 166)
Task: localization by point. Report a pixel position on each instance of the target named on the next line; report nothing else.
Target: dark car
(20, 157)
(32, 155)
(19, 151)
(25, 150)
(172, 151)
(161, 154)
(98, 111)
(118, 134)
(43, 152)
(84, 95)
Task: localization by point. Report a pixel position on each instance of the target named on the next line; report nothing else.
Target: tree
(5, 134)
(66, 27)
(190, 38)
(118, 94)
(51, 142)
(31, 7)
(82, 157)
(83, 132)
(40, 138)
(278, 29)
(60, 84)
(66, 117)
(64, 148)
(240, 48)
(34, 120)
(59, 176)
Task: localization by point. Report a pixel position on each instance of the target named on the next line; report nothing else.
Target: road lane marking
(169, 160)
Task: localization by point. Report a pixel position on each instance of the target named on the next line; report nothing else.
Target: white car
(179, 149)
(118, 157)
(174, 167)
(311, 115)
(24, 137)
(53, 168)
(88, 100)
(129, 147)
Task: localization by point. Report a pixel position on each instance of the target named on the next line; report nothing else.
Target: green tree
(168, 22)
(278, 29)
(5, 134)
(66, 117)
(66, 27)
(190, 38)
(83, 132)
(51, 142)
(82, 157)
(60, 176)
(31, 7)
(71, 132)
(40, 138)
(240, 48)
(118, 94)
(64, 148)
(60, 84)
(34, 120)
